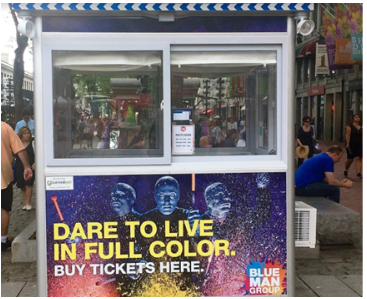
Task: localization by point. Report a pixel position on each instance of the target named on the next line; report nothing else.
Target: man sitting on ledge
(315, 177)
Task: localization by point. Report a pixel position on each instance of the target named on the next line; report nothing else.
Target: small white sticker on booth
(60, 183)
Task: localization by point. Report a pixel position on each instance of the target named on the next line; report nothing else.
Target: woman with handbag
(305, 137)
(26, 187)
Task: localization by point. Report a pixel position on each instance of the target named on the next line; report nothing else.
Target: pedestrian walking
(26, 186)
(27, 121)
(353, 145)
(304, 138)
(10, 144)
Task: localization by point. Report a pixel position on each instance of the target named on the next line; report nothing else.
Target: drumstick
(193, 189)
(102, 282)
(54, 199)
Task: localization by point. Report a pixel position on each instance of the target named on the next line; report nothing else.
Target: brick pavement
(337, 272)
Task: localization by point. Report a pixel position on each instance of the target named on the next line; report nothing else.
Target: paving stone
(11, 289)
(354, 282)
(23, 248)
(302, 290)
(336, 260)
(328, 286)
(339, 268)
(29, 290)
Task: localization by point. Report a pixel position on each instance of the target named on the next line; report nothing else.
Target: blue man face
(218, 200)
(122, 199)
(166, 196)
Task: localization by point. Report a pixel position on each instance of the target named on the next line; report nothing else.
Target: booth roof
(158, 7)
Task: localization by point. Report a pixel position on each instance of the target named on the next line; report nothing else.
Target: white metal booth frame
(49, 48)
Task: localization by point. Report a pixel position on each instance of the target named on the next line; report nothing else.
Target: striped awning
(164, 6)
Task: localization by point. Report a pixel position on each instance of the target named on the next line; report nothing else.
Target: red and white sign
(241, 85)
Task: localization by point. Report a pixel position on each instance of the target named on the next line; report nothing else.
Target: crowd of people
(94, 132)
(214, 132)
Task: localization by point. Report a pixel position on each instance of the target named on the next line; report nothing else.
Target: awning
(306, 49)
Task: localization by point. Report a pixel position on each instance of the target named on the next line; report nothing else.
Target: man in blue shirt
(316, 177)
(25, 122)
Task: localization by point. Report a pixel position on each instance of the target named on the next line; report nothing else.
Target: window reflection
(232, 96)
(107, 104)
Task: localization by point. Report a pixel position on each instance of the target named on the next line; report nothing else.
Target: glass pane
(230, 98)
(107, 104)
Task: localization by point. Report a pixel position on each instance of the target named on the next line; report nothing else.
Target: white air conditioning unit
(305, 225)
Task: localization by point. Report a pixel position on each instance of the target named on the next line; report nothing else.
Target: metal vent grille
(305, 225)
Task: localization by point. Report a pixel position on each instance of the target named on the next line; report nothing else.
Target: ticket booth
(164, 148)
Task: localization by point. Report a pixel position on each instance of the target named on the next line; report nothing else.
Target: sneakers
(27, 207)
(345, 173)
(6, 245)
(359, 176)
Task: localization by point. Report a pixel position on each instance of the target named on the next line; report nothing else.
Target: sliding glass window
(107, 104)
(230, 99)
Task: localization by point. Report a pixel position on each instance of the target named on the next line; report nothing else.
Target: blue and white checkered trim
(165, 6)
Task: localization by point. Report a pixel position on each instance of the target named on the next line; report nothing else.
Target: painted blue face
(218, 201)
(121, 201)
(166, 197)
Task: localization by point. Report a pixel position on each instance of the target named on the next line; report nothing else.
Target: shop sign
(314, 91)
(357, 46)
(355, 84)
(322, 65)
(183, 139)
(159, 236)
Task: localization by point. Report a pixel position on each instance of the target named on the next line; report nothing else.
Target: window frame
(164, 43)
(51, 44)
(260, 154)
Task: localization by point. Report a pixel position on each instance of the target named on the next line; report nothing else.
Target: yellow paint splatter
(166, 285)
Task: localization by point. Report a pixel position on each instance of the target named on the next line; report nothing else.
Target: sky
(8, 41)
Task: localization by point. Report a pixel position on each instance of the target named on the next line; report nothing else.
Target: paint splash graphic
(264, 278)
(166, 285)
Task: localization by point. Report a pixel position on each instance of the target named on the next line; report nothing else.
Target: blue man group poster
(167, 235)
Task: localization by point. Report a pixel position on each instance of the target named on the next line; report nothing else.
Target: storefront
(141, 189)
(355, 98)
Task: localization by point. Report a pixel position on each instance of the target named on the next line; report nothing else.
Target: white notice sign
(183, 139)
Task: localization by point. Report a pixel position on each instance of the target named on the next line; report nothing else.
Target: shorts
(7, 197)
(353, 152)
